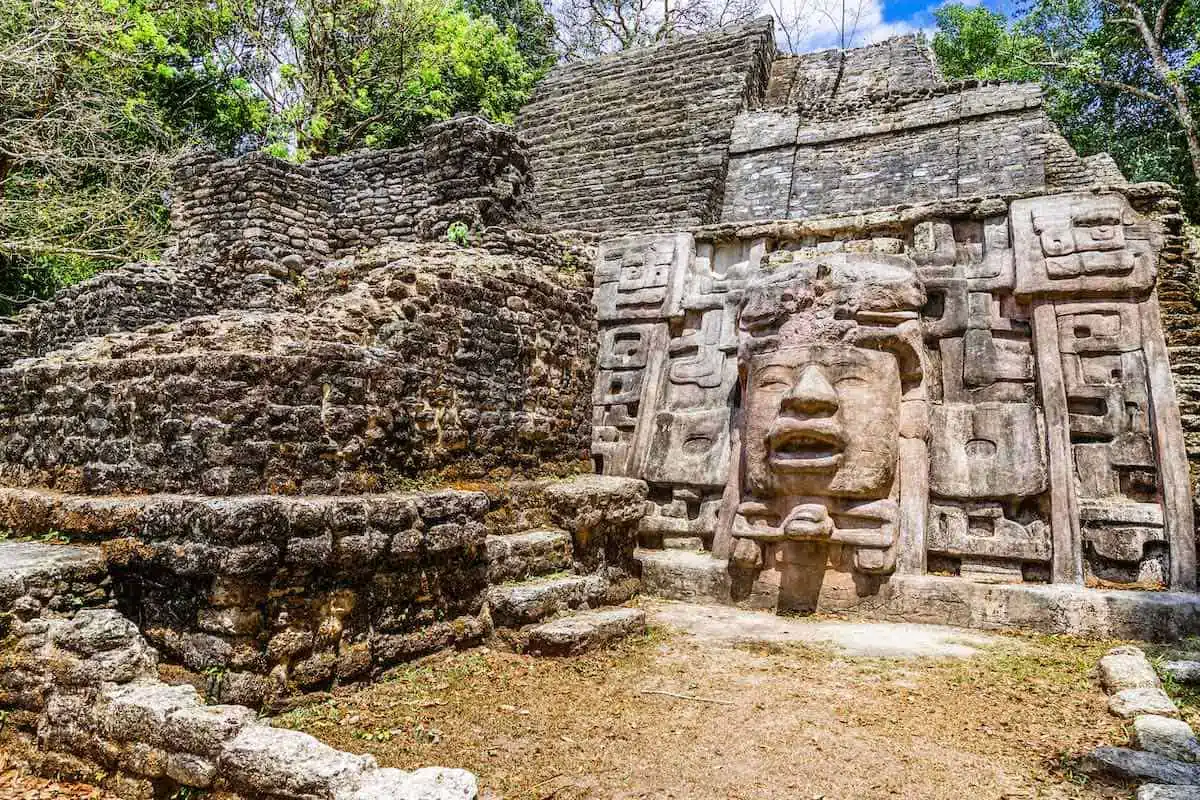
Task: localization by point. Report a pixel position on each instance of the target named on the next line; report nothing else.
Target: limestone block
(1127, 670)
(534, 600)
(427, 783)
(138, 712)
(272, 761)
(584, 631)
(1137, 765)
(1167, 737)
(98, 645)
(987, 450)
(142, 759)
(641, 277)
(1079, 245)
(203, 730)
(1183, 671)
(1163, 791)
(690, 447)
(518, 556)
(190, 770)
(1130, 703)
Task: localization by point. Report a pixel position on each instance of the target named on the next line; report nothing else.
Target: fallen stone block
(273, 761)
(428, 783)
(138, 712)
(1185, 671)
(1127, 670)
(585, 631)
(1168, 737)
(1130, 703)
(1128, 764)
(1161, 791)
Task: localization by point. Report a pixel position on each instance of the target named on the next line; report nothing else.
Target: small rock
(1120, 671)
(1183, 671)
(1137, 765)
(1172, 738)
(1131, 703)
(1161, 791)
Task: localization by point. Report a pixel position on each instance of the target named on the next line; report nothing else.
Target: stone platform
(37, 576)
(1074, 610)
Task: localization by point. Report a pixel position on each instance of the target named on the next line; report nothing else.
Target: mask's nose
(812, 395)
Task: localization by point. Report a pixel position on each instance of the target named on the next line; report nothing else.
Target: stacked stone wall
(262, 596)
(813, 82)
(126, 298)
(253, 207)
(640, 140)
(430, 358)
(81, 698)
(959, 141)
(1178, 293)
(260, 209)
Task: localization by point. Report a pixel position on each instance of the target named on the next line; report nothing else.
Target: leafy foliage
(1120, 76)
(338, 75)
(97, 98)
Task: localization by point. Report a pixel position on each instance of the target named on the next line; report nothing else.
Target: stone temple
(803, 333)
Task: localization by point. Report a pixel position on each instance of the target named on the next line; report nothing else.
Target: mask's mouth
(805, 445)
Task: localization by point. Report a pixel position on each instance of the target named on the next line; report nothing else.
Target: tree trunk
(1180, 104)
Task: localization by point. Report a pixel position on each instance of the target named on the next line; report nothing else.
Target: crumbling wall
(425, 358)
(263, 596)
(813, 82)
(122, 299)
(639, 139)
(81, 698)
(257, 208)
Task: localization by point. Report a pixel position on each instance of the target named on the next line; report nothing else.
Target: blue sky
(919, 13)
(877, 19)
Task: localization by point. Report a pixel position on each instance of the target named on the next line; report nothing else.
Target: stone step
(530, 554)
(692, 543)
(585, 630)
(684, 575)
(516, 604)
(60, 578)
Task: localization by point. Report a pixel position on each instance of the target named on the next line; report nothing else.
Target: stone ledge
(1151, 616)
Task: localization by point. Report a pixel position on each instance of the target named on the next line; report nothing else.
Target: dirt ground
(17, 785)
(740, 720)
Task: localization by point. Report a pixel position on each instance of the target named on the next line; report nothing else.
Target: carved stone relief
(983, 398)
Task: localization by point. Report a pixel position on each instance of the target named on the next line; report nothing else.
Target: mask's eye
(774, 379)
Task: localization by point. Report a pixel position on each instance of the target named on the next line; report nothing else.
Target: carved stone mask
(822, 420)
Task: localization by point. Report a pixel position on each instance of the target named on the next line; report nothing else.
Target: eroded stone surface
(1183, 670)
(1167, 737)
(1130, 703)
(1163, 791)
(273, 761)
(585, 631)
(1137, 765)
(1129, 669)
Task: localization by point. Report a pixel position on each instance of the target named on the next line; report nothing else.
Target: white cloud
(809, 25)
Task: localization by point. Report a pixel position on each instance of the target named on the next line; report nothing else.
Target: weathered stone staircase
(542, 605)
